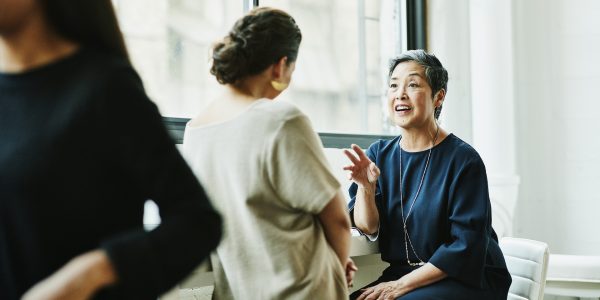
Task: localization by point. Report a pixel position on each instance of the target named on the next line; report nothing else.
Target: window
(341, 72)
(169, 43)
(340, 77)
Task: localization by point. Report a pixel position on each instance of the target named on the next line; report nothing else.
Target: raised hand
(363, 171)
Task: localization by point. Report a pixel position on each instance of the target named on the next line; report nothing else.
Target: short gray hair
(435, 74)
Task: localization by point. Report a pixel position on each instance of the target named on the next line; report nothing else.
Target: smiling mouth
(401, 108)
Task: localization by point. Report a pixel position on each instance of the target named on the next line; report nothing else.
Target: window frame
(176, 128)
(416, 21)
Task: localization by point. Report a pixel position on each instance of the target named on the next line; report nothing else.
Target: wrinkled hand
(350, 271)
(79, 279)
(363, 171)
(384, 291)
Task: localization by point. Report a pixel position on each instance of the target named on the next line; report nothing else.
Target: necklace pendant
(419, 264)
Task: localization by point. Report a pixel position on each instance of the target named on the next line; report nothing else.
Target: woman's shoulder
(83, 67)
(91, 69)
(277, 112)
(104, 66)
(459, 150)
(108, 81)
(382, 146)
(279, 108)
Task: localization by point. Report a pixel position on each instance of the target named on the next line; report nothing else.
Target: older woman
(424, 196)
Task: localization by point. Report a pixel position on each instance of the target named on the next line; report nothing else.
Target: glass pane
(169, 43)
(341, 70)
(339, 79)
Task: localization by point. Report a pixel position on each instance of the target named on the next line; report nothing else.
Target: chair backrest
(527, 262)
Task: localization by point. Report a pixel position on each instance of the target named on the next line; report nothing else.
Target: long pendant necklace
(407, 240)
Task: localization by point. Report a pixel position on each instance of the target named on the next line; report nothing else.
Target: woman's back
(72, 180)
(266, 173)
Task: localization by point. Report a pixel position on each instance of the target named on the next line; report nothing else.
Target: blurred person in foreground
(81, 150)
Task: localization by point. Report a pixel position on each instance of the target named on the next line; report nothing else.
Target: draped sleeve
(463, 256)
(296, 162)
(149, 263)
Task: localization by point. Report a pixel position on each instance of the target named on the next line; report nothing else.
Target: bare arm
(366, 216)
(80, 278)
(364, 173)
(336, 225)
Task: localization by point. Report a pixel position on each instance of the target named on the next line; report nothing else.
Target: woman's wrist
(369, 189)
(404, 285)
(99, 269)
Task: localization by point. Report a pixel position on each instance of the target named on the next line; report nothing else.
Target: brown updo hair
(256, 41)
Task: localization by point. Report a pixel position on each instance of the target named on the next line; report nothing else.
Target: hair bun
(228, 61)
(256, 41)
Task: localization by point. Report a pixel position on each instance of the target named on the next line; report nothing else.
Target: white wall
(473, 38)
(448, 38)
(556, 50)
(556, 78)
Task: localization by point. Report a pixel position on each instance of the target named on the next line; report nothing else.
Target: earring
(278, 86)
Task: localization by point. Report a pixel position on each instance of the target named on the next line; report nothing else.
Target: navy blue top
(451, 222)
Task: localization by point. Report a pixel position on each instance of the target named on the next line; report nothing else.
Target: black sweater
(81, 149)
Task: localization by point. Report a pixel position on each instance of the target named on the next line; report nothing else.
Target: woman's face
(14, 13)
(410, 101)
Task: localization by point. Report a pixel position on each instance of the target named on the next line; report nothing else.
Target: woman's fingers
(372, 292)
(353, 266)
(362, 157)
(362, 171)
(374, 295)
(350, 270)
(366, 292)
(349, 168)
(352, 172)
(351, 156)
(360, 152)
(362, 296)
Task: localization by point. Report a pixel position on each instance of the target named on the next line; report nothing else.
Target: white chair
(527, 262)
(574, 276)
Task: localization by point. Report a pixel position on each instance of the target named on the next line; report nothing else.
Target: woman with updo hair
(286, 231)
